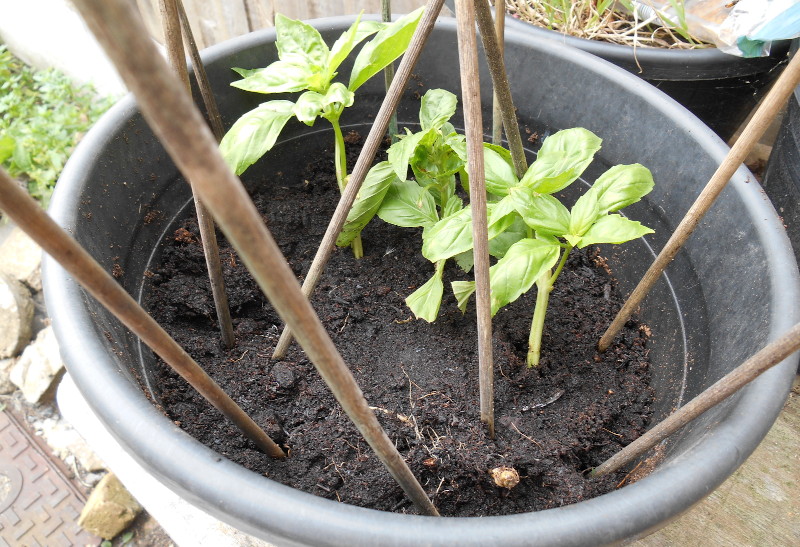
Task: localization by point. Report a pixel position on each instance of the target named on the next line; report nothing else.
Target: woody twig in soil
(769, 356)
(473, 127)
(364, 162)
(174, 43)
(171, 113)
(27, 214)
(761, 120)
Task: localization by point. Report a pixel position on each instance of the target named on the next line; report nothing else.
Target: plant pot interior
(712, 309)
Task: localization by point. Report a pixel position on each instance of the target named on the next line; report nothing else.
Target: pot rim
(255, 502)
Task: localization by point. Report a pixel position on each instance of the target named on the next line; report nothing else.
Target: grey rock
(21, 259)
(6, 385)
(16, 316)
(110, 509)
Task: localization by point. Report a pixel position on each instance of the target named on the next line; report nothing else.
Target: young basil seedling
(307, 64)
(549, 230)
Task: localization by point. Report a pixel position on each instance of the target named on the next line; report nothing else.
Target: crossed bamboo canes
(171, 113)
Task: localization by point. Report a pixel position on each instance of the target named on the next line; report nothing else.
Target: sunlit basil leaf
(438, 106)
(358, 31)
(453, 205)
(463, 290)
(621, 186)
(401, 152)
(373, 190)
(542, 212)
(498, 246)
(465, 260)
(499, 169)
(384, 48)
(408, 205)
(613, 229)
(308, 107)
(426, 301)
(448, 237)
(254, 134)
(583, 214)
(279, 77)
(561, 160)
(519, 269)
(300, 43)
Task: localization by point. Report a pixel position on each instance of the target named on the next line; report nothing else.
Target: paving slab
(39, 507)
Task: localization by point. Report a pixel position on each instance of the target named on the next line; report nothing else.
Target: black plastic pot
(782, 174)
(718, 88)
(714, 310)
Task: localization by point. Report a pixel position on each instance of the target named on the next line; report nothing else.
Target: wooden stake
(473, 125)
(760, 121)
(212, 110)
(171, 113)
(27, 214)
(502, 89)
(497, 109)
(208, 236)
(771, 355)
(364, 162)
(388, 72)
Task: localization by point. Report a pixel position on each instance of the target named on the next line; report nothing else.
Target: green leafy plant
(42, 116)
(306, 64)
(548, 231)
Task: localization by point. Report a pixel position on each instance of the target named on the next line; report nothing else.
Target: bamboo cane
(500, 31)
(759, 123)
(473, 125)
(768, 357)
(24, 211)
(171, 113)
(208, 237)
(368, 151)
(388, 72)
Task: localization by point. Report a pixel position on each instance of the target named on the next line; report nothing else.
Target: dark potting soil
(554, 422)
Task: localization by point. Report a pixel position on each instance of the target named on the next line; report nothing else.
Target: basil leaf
(499, 169)
(383, 49)
(583, 214)
(344, 45)
(279, 77)
(453, 205)
(561, 160)
(426, 301)
(373, 190)
(465, 260)
(401, 152)
(254, 134)
(308, 107)
(621, 186)
(463, 290)
(613, 229)
(542, 212)
(500, 216)
(408, 205)
(519, 269)
(438, 106)
(300, 43)
(499, 245)
(448, 237)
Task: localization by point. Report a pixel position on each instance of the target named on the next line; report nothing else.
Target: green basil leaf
(499, 169)
(408, 205)
(426, 301)
(498, 246)
(373, 190)
(458, 144)
(465, 260)
(519, 269)
(401, 152)
(453, 205)
(463, 290)
(300, 43)
(621, 186)
(308, 107)
(448, 237)
(254, 134)
(438, 106)
(584, 213)
(384, 48)
(613, 229)
(279, 77)
(542, 212)
(344, 45)
(500, 216)
(561, 160)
